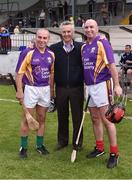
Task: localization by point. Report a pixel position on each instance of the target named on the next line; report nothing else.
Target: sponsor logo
(49, 60)
(36, 60)
(92, 50)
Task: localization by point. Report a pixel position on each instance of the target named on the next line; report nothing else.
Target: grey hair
(67, 23)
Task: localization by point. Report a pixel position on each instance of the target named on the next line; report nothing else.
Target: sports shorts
(100, 94)
(34, 95)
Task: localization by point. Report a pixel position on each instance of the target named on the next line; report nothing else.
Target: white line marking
(9, 100)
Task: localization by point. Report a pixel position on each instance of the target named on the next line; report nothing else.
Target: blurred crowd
(53, 17)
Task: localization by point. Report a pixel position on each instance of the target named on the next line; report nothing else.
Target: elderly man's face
(67, 33)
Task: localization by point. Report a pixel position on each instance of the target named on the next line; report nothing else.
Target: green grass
(57, 165)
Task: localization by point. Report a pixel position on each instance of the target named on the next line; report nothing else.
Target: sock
(114, 149)
(24, 140)
(100, 145)
(39, 141)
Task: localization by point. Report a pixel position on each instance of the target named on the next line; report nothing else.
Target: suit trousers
(69, 99)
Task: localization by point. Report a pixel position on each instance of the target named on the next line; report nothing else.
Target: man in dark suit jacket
(69, 85)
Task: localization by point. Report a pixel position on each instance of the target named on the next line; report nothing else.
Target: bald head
(91, 29)
(43, 31)
(91, 22)
(42, 39)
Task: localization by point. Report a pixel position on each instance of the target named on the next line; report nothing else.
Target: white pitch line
(9, 100)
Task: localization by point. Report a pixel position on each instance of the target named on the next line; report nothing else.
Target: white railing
(18, 40)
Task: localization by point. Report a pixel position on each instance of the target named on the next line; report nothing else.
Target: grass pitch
(57, 164)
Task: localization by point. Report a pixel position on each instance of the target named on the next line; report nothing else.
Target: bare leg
(97, 123)
(41, 116)
(110, 127)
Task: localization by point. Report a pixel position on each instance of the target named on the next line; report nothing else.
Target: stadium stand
(118, 35)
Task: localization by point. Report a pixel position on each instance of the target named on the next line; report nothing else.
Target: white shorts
(36, 95)
(99, 94)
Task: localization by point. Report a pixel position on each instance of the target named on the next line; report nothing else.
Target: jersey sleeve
(107, 52)
(24, 62)
(20, 59)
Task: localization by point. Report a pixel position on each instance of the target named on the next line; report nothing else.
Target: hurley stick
(74, 152)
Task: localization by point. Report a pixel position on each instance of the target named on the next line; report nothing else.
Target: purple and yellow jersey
(21, 58)
(96, 57)
(37, 67)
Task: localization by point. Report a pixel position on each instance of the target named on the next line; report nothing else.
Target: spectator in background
(55, 24)
(60, 7)
(25, 21)
(112, 7)
(115, 4)
(91, 4)
(32, 20)
(20, 18)
(11, 28)
(3, 30)
(71, 19)
(127, 55)
(79, 22)
(130, 18)
(126, 61)
(50, 13)
(42, 18)
(104, 14)
(65, 6)
(16, 30)
(5, 39)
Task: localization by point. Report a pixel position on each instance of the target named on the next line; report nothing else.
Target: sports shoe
(113, 160)
(95, 153)
(23, 152)
(42, 150)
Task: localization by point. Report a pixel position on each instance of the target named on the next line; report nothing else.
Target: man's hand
(20, 96)
(128, 61)
(118, 90)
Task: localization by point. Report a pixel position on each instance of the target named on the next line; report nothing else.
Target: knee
(24, 126)
(96, 120)
(41, 118)
(108, 124)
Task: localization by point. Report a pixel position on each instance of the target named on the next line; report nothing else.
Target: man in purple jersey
(99, 70)
(36, 71)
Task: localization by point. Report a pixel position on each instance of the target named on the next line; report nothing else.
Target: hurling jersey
(37, 67)
(21, 58)
(96, 56)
